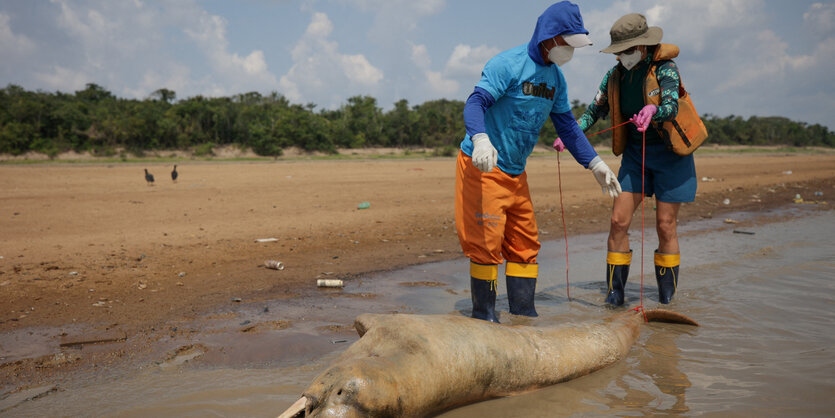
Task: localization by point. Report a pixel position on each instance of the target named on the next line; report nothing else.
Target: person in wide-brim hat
(632, 30)
(640, 96)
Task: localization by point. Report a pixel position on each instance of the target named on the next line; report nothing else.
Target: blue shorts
(669, 176)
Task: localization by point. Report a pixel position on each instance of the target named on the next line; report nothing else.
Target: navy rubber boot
(667, 278)
(520, 295)
(616, 280)
(484, 299)
(666, 274)
(617, 271)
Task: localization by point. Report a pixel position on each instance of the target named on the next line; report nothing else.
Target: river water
(766, 345)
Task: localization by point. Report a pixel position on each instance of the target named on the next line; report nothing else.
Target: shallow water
(765, 346)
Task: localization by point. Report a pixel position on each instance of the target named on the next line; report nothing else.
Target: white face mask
(630, 60)
(561, 54)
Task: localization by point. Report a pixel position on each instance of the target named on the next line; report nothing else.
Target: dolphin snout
(340, 401)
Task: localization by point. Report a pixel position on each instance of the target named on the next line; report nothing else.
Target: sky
(738, 57)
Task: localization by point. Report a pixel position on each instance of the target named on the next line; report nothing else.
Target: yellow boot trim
(667, 260)
(619, 259)
(528, 271)
(489, 272)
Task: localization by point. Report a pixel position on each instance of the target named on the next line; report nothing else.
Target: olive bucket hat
(632, 30)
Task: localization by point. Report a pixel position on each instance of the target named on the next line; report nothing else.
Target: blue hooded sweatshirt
(517, 92)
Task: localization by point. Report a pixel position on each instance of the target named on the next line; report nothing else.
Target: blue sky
(740, 57)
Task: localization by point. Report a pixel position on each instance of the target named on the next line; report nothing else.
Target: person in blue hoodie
(519, 89)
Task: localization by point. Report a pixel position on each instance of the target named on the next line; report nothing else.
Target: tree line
(96, 121)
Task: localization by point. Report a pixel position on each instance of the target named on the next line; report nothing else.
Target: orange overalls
(494, 218)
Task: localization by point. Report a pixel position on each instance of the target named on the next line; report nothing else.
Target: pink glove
(644, 117)
(558, 145)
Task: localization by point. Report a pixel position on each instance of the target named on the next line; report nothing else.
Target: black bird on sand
(149, 177)
(174, 173)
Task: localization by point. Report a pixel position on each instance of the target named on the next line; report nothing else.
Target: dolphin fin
(664, 315)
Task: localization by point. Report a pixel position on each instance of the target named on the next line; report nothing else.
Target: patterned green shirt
(631, 87)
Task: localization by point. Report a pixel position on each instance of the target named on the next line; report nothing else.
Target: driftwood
(419, 365)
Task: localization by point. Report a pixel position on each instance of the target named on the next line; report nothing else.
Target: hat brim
(577, 40)
(651, 37)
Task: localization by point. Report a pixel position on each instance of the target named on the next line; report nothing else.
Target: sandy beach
(92, 246)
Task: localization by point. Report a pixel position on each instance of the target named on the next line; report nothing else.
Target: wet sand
(90, 251)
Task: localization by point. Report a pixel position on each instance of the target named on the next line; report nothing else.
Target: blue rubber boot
(521, 287)
(484, 299)
(617, 271)
(666, 274)
(520, 295)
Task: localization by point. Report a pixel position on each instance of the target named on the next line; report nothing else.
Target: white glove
(607, 179)
(484, 154)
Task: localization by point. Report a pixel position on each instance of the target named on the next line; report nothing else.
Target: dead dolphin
(419, 365)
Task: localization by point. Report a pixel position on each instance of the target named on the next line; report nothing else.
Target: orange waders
(494, 218)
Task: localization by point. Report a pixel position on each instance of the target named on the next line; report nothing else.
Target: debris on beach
(731, 221)
(266, 240)
(109, 336)
(329, 283)
(364, 205)
(274, 264)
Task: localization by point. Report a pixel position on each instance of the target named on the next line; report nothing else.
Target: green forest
(96, 121)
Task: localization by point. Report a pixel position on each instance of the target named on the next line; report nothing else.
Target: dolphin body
(420, 365)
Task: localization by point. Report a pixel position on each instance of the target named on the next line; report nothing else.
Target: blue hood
(561, 18)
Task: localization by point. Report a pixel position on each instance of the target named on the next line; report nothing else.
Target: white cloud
(108, 32)
(209, 33)
(468, 61)
(62, 78)
(359, 70)
(820, 18)
(440, 85)
(420, 56)
(394, 19)
(321, 74)
(321, 26)
(176, 77)
(131, 48)
(435, 81)
(11, 43)
(706, 23)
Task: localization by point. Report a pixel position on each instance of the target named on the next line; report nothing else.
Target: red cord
(643, 199)
(564, 229)
(608, 129)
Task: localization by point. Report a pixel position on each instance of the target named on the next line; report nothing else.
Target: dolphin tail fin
(664, 315)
